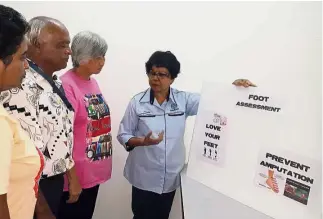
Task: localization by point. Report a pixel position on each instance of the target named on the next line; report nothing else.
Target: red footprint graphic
(271, 181)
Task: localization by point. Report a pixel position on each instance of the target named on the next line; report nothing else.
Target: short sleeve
(6, 137)
(70, 95)
(128, 124)
(192, 103)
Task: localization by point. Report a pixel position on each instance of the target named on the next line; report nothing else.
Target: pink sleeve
(97, 85)
(70, 95)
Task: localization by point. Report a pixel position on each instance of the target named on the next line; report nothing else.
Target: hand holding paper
(243, 83)
(152, 140)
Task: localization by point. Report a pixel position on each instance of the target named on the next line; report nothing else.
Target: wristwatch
(129, 148)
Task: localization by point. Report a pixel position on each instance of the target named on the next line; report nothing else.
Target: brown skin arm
(42, 209)
(135, 142)
(74, 186)
(4, 210)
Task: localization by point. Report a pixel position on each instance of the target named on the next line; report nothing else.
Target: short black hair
(166, 60)
(13, 27)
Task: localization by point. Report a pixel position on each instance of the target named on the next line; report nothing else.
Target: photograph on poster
(285, 176)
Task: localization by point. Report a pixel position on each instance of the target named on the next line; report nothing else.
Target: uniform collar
(148, 96)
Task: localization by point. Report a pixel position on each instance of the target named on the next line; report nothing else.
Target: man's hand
(44, 215)
(42, 210)
(243, 83)
(4, 210)
(74, 186)
(153, 141)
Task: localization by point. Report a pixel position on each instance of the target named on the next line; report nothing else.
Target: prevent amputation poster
(287, 174)
(251, 145)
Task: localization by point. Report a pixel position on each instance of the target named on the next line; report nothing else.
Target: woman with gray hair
(92, 150)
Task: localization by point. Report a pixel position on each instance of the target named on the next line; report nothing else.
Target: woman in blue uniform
(152, 130)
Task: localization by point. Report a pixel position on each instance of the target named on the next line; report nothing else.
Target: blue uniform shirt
(157, 168)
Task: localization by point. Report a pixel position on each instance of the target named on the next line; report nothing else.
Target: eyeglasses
(160, 75)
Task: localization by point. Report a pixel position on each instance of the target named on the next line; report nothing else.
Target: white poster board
(250, 145)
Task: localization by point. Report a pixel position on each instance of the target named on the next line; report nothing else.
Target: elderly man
(44, 112)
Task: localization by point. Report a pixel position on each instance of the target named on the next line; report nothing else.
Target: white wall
(214, 41)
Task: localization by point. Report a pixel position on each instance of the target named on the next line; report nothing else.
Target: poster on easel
(249, 144)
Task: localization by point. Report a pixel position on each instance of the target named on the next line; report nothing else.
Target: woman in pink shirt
(92, 150)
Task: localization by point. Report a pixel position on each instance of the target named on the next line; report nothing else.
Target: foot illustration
(271, 181)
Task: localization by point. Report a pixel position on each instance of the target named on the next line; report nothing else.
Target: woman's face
(159, 79)
(95, 65)
(12, 75)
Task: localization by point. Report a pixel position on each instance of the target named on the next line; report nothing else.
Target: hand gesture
(243, 83)
(75, 190)
(153, 141)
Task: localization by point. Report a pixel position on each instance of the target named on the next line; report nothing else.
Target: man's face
(54, 49)
(12, 75)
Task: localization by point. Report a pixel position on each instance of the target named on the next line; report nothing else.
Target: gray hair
(37, 24)
(87, 45)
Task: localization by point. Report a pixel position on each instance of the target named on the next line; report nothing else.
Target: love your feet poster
(213, 137)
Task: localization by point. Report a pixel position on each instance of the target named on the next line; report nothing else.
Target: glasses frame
(159, 75)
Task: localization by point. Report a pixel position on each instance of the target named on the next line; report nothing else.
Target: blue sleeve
(128, 124)
(192, 103)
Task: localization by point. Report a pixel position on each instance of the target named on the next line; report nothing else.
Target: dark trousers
(52, 189)
(83, 208)
(150, 205)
